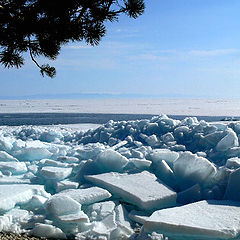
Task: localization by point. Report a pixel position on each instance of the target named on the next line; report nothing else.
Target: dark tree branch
(48, 25)
(49, 71)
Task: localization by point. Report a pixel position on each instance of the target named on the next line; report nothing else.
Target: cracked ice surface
(106, 183)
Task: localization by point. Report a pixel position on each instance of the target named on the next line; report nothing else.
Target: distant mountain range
(96, 96)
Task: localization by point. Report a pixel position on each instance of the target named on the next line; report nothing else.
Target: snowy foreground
(168, 178)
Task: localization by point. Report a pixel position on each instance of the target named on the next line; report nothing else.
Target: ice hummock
(106, 183)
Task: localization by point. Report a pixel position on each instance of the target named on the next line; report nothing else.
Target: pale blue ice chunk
(6, 157)
(233, 163)
(119, 145)
(152, 140)
(88, 167)
(36, 202)
(158, 155)
(67, 159)
(124, 228)
(15, 168)
(66, 184)
(110, 160)
(13, 194)
(6, 223)
(165, 173)
(18, 215)
(89, 151)
(152, 128)
(56, 172)
(190, 121)
(190, 169)
(87, 195)
(33, 168)
(77, 217)
(233, 186)
(6, 144)
(53, 163)
(212, 139)
(181, 130)
(141, 163)
(219, 126)
(32, 153)
(168, 137)
(229, 141)
(65, 209)
(137, 154)
(48, 231)
(17, 179)
(98, 211)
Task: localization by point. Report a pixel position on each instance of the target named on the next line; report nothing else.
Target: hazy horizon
(124, 96)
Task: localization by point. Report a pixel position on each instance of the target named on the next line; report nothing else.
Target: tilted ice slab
(141, 189)
(10, 195)
(5, 157)
(13, 167)
(32, 153)
(14, 180)
(56, 172)
(200, 220)
(86, 196)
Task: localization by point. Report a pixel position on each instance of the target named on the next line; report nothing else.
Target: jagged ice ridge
(171, 178)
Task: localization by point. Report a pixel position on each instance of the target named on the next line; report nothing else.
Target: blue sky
(188, 48)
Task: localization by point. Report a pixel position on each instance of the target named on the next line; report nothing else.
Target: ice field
(144, 179)
(189, 107)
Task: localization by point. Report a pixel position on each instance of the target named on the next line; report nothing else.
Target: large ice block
(65, 209)
(190, 169)
(200, 220)
(141, 189)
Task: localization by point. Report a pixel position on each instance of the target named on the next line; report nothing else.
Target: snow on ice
(144, 179)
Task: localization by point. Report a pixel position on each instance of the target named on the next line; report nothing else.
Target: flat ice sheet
(199, 220)
(141, 189)
(193, 107)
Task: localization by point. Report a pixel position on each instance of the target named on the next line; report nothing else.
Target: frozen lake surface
(100, 111)
(190, 107)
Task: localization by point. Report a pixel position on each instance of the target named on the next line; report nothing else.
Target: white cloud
(216, 52)
(77, 46)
